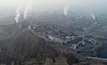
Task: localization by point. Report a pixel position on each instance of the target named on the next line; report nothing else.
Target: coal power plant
(53, 32)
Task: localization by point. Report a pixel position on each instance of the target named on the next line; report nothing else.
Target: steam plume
(18, 13)
(93, 16)
(27, 9)
(66, 8)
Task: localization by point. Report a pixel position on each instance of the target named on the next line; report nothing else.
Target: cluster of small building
(55, 34)
(86, 44)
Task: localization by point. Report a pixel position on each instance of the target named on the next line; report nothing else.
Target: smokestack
(66, 8)
(93, 16)
(18, 13)
(27, 10)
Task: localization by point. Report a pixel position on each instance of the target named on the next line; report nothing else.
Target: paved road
(99, 59)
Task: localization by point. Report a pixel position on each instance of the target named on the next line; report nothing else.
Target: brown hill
(23, 47)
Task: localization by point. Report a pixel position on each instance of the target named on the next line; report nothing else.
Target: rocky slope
(25, 46)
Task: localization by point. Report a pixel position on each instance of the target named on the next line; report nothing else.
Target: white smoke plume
(18, 11)
(66, 8)
(93, 16)
(27, 10)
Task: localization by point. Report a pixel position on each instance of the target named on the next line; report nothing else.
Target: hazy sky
(14, 3)
(52, 4)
